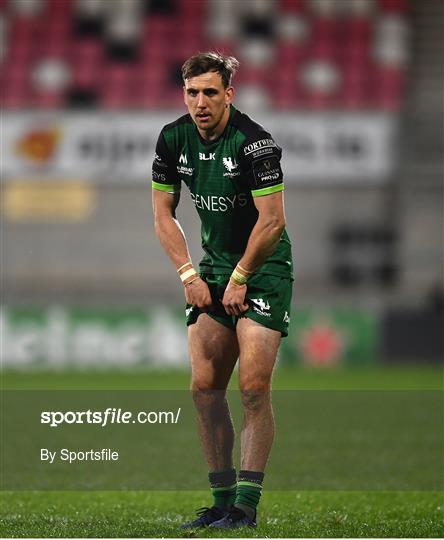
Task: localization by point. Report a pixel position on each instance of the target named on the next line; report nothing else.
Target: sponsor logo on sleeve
(158, 162)
(267, 171)
(258, 148)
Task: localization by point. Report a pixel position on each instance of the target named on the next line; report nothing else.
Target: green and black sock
(249, 489)
(223, 487)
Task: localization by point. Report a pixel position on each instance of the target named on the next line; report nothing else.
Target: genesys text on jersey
(216, 203)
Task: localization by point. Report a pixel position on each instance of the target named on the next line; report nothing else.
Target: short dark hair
(202, 63)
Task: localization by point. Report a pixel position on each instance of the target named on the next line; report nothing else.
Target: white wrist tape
(187, 274)
(183, 266)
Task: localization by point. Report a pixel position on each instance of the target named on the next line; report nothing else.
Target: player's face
(208, 101)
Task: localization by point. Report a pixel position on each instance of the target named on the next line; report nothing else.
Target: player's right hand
(198, 294)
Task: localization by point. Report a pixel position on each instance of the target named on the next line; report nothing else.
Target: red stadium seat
(194, 10)
(57, 38)
(15, 86)
(357, 87)
(114, 101)
(20, 54)
(390, 86)
(14, 75)
(55, 8)
(250, 75)
(292, 5)
(152, 51)
(291, 98)
(289, 53)
(15, 99)
(24, 29)
(86, 76)
(147, 76)
(224, 46)
(357, 39)
(87, 51)
(159, 27)
(185, 49)
(325, 29)
(398, 6)
(345, 40)
(116, 78)
(172, 98)
(47, 100)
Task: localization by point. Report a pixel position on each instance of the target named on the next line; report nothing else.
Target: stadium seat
(256, 53)
(47, 100)
(356, 90)
(50, 75)
(390, 89)
(86, 76)
(27, 8)
(396, 6)
(292, 6)
(251, 97)
(357, 50)
(292, 29)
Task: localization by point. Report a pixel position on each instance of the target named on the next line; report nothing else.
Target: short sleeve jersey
(223, 177)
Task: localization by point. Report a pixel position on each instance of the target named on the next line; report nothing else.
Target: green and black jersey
(223, 177)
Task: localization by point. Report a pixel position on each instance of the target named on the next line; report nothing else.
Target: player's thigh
(213, 352)
(258, 351)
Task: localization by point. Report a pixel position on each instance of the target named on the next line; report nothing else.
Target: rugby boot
(206, 516)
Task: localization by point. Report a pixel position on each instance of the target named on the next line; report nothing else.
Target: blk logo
(183, 159)
(204, 157)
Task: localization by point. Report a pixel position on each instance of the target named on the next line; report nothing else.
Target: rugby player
(238, 300)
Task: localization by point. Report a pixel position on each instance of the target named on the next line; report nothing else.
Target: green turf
(371, 377)
(282, 514)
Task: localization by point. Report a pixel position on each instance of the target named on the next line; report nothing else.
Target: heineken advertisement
(58, 337)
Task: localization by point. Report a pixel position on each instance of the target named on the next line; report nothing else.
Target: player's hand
(234, 299)
(198, 294)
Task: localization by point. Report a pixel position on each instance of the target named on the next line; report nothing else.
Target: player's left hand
(234, 299)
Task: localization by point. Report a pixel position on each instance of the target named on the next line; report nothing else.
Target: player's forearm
(263, 241)
(172, 239)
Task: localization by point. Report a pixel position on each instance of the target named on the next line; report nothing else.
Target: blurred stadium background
(352, 91)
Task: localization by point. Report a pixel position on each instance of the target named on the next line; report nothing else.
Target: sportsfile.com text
(109, 416)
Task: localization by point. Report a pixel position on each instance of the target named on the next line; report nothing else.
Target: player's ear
(229, 96)
(184, 95)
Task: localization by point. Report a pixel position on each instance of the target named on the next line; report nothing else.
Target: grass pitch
(281, 513)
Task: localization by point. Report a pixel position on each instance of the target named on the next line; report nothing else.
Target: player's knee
(206, 382)
(205, 388)
(207, 399)
(254, 399)
(260, 381)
